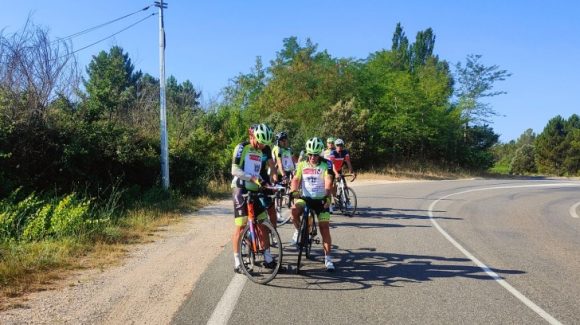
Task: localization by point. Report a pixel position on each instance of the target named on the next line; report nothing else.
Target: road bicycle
(307, 233)
(283, 200)
(345, 199)
(258, 239)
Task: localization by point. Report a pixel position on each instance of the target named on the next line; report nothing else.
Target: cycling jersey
(312, 178)
(326, 153)
(246, 163)
(339, 158)
(285, 155)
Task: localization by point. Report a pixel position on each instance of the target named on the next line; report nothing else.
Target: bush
(523, 161)
(69, 216)
(34, 219)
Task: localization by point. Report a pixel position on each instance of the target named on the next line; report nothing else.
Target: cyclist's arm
(273, 172)
(237, 160)
(295, 183)
(331, 158)
(347, 159)
(279, 165)
(327, 185)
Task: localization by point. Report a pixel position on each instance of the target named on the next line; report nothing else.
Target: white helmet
(338, 142)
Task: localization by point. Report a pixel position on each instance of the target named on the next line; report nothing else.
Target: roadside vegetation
(79, 146)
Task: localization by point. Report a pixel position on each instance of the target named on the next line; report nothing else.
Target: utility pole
(162, 109)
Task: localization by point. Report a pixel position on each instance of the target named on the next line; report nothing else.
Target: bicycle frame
(257, 239)
(306, 234)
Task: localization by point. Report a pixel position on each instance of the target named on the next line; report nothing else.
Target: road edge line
(530, 304)
(573, 210)
(223, 310)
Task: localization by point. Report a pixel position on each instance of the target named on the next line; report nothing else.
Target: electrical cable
(122, 30)
(99, 26)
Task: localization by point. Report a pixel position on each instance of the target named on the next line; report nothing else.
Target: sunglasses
(313, 155)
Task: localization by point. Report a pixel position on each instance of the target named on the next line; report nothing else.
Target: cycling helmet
(339, 142)
(281, 136)
(330, 140)
(314, 146)
(263, 133)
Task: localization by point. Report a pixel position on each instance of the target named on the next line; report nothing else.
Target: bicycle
(282, 200)
(307, 232)
(345, 199)
(257, 238)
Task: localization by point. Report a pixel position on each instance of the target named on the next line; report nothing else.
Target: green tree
(475, 82)
(550, 151)
(572, 160)
(110, 85)
(523, 160)
(348, 122)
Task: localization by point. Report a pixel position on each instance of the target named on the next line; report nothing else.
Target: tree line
(555, 151)
(64, 132)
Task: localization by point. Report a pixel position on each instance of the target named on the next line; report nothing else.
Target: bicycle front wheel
(282, 215)
(350, 202)
(254, 254)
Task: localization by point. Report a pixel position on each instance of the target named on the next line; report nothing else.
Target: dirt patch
(147, 288)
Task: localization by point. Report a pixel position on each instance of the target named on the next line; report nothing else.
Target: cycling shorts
(241, 207)
(317, 205)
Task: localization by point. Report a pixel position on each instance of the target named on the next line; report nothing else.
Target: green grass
(33, 265)
(500, 169)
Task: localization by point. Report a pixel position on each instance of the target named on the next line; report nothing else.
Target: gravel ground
(147, 288)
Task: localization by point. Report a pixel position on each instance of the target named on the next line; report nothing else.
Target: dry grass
(29, 267)
(413, 172)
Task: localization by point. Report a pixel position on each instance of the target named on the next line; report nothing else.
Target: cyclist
(268, 173)
(338, 156)
(329, 147)
(314, 180)
(246, 167)
(282, 155)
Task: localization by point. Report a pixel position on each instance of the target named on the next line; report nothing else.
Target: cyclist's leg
(262, 213)
(296, 211)
(272, 215)
(324, 226)
(241, 218)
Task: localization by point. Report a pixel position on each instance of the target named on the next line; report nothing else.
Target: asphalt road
(441, 252)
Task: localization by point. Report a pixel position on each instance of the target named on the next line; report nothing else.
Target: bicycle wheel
(338, 199)
(302, 239)
(311, 234)
(253, 262)
(350, 202)
(282, 215)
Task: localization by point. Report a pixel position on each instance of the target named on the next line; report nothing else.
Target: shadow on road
(364, 268)
(398, 214)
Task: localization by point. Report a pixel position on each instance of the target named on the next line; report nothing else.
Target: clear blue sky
(209, 42)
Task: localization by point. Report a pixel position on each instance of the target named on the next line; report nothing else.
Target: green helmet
(330, 140)
(314, 146)
(263, 134)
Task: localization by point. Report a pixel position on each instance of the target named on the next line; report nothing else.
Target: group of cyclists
(311, 177)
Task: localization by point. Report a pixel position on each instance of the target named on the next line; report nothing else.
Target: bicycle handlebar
(353, 176)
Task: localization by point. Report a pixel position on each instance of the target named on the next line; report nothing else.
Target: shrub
(69, 216)
(523, 161)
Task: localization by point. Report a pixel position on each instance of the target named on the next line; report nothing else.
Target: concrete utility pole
(162, 109)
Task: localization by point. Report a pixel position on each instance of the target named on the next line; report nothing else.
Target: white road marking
(549, 318)
(227, 303)
(573, 210)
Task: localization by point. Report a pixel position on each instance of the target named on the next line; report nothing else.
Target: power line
(99, 26)
(103, 39)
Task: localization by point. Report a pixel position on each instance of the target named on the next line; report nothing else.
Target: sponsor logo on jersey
(255, 157)
(310, 171)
